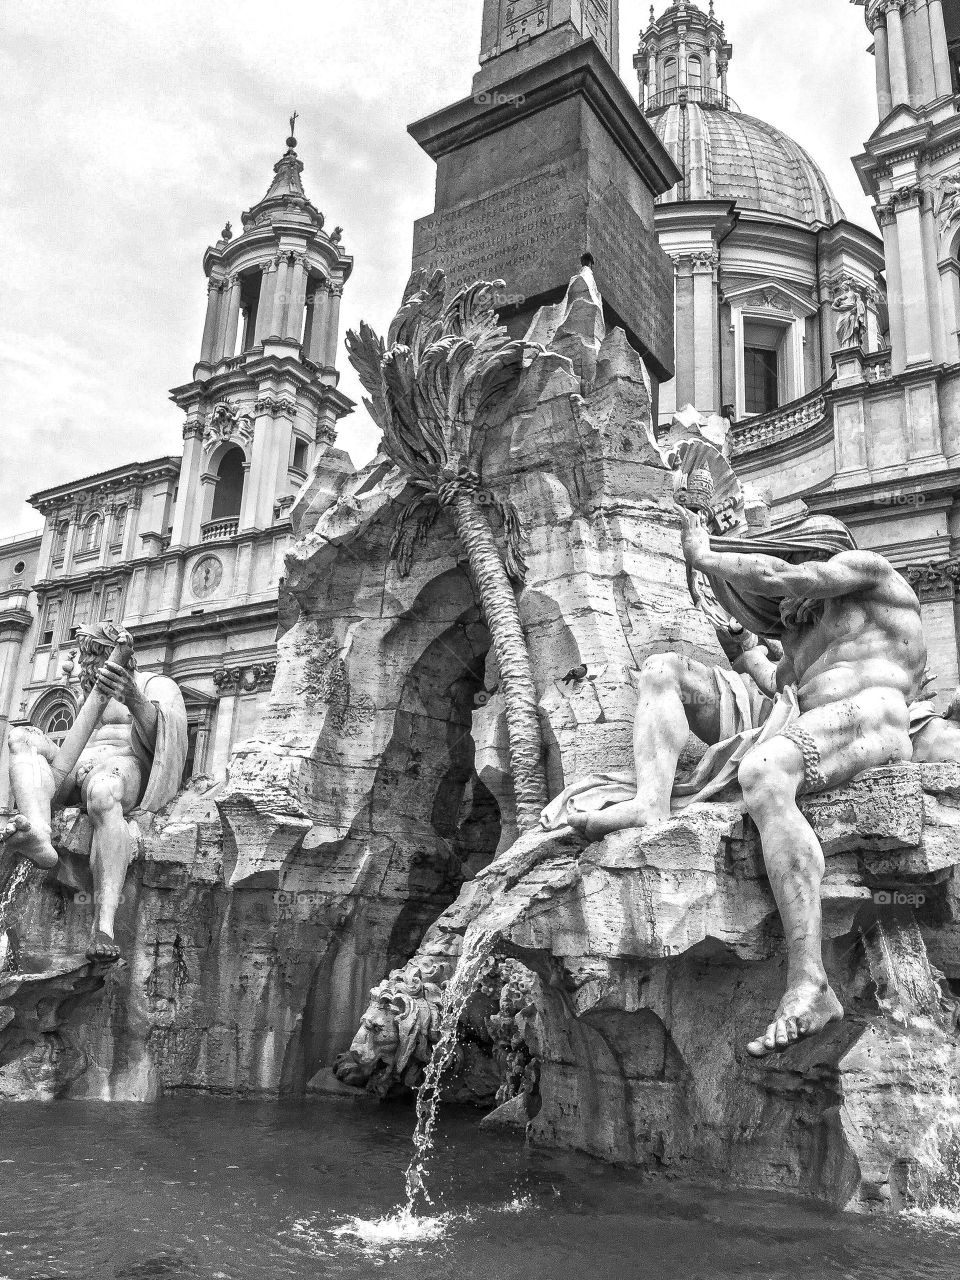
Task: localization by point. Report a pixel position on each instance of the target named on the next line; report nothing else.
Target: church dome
(725, 155)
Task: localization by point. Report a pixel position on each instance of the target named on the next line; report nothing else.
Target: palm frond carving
(441, 382)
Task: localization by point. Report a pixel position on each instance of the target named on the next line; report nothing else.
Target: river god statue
(125, 752)
(842, 698)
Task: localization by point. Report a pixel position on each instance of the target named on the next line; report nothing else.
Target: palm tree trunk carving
(445, 377)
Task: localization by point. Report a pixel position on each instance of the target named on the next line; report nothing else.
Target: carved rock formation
(660, 955)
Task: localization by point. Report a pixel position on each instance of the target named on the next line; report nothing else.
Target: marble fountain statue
(549, 706)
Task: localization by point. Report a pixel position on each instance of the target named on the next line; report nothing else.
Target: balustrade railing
(783, 423)
(690, 93)
(213, 530)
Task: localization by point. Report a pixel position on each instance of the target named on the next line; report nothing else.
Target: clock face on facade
(206, 577)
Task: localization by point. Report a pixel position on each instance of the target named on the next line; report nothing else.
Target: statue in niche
(125, 752)
(851, 316)
(834, 687)
(949, 202)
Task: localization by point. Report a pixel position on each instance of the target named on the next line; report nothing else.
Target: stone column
(713, 69)
(891, 253)
(297, 288)
(318, 330)
(281, 289)
(899, 78)
(651, 77)
(210, 323)
(914, 283)
(331, 328)
(705, 380)
(223, 733)
(268, 286)
(882, 59)
(931, 245)
(916, 29)
(723, 80)
(682, 56)
(186, 521)
(229, 320)
(941, 56)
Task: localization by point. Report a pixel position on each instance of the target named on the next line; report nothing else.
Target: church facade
(187, 552)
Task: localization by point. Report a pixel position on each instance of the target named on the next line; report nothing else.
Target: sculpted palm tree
(444, 378)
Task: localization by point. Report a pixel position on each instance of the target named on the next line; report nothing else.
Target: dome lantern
(683, 57)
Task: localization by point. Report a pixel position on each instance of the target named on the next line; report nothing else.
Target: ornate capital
(234, 680)
(275, 406)
(938, 578)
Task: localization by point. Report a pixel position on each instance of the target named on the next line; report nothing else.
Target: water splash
(463, 983)
(400, 1228)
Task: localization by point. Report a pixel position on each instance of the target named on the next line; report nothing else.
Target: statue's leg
(823, 749)
(108, 794)
(675, 695)
(33, 784)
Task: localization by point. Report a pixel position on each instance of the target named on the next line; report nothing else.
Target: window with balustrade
(671, 75)
(228, 495)
(694, 76)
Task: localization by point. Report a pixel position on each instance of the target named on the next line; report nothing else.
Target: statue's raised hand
(695, 538)
(117, 682)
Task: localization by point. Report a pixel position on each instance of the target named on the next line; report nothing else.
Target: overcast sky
(133, 130)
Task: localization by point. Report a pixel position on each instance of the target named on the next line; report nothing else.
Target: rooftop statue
(125, 752)
(834, 688)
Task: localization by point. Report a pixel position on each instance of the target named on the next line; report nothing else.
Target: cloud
(135, 131)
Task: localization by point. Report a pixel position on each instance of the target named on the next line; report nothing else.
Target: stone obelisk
(549, 159)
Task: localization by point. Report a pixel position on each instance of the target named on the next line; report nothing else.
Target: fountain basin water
(210, 1189)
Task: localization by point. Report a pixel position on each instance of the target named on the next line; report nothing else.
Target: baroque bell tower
(911, 169)
(263, 401)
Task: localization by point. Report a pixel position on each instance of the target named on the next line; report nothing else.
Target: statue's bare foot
(804, 1011)
(21, 837)
(102, 947)
(618, 817)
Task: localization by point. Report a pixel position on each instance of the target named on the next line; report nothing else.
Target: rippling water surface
(241, 1191)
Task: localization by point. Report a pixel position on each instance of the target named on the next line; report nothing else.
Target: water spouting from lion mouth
(462, 984)
(405, 1226)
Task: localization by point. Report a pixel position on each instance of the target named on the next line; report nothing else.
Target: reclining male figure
(854, 661)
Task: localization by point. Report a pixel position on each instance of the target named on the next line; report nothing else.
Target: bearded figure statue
(124, 755)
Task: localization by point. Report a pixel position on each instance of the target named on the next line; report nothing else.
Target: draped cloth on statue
(163, 765)
(748, 718)
(804, 539)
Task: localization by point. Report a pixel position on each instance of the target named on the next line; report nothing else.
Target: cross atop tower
(519, 33)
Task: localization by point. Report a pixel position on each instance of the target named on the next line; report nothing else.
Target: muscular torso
(112, 740)
(868, 640)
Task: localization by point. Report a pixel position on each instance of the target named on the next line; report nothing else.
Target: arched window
(228, 495)
(57, 721)
(671, 75)
(118, 526)
(695, 75)
(92, 535)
